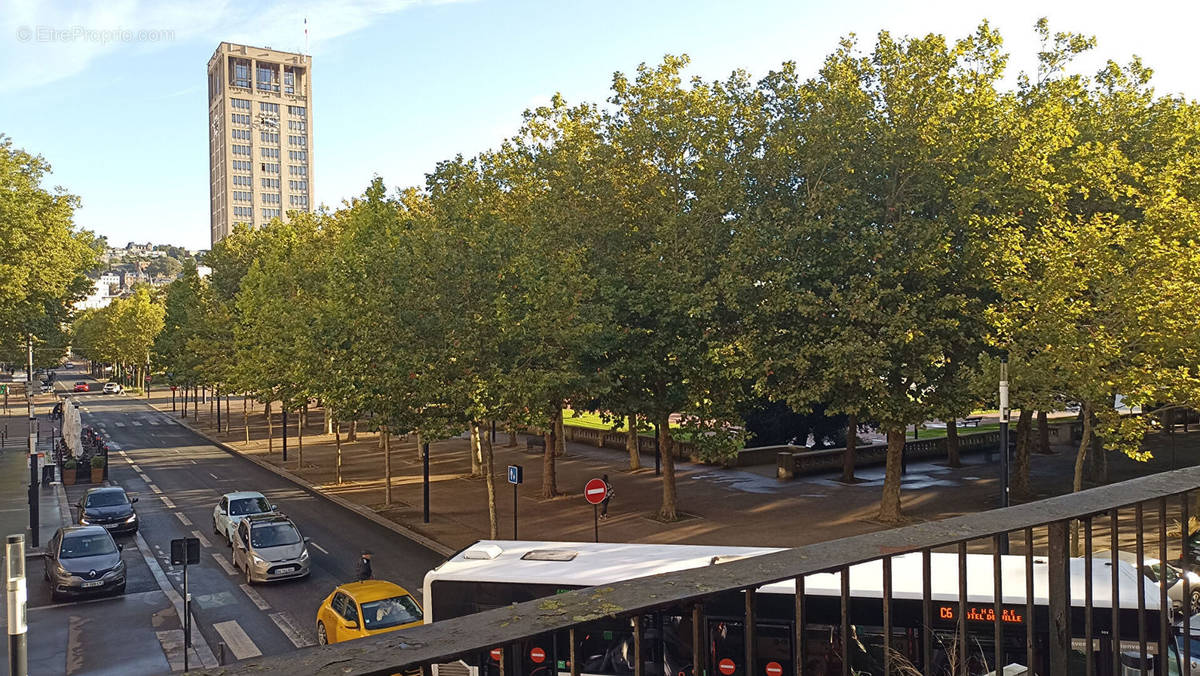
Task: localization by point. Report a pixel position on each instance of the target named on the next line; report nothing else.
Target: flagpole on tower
(306, 36)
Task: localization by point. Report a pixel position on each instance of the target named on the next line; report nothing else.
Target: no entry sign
(726, 666)
(537, 655)
(595, 491)
(497, 653)
(774, 669)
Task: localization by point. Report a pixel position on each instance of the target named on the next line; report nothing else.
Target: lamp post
(1004, 461)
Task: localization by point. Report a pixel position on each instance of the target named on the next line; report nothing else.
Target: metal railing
(1134, 516)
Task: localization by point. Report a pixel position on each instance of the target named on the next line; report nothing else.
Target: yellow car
(367, 608)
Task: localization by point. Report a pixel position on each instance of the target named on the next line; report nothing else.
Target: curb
(365, 512)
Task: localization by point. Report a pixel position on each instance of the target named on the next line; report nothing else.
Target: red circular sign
(595, 491)
(727, 666)
(537, 655)
(774, 669)
(496, 653)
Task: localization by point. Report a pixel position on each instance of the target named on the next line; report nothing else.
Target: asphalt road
(179, 476)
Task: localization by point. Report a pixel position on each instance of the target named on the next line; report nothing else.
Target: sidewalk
(717, 506)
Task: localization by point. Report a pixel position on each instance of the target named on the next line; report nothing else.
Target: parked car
(269, 547)
(110, 508)
(1160, 573)
(366, 608)
(233, 507)
(113, 388)
(45, 388)
(81, 386)
(83, 560)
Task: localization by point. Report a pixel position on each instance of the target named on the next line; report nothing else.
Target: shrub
(97, 462)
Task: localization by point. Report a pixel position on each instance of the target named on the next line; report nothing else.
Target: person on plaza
(364, 566)
(608, 493)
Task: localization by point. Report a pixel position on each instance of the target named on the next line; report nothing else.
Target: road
(178, 477)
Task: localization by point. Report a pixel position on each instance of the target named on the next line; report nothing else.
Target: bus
(493, 573)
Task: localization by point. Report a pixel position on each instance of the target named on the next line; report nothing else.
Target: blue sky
(400, 85)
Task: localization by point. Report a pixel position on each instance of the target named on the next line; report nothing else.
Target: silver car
(1164, 575)
(269, 547)
(83, 560)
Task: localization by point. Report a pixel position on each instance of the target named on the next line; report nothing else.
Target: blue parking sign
(516, 474)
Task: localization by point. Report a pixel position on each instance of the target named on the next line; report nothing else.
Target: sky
(113, 93)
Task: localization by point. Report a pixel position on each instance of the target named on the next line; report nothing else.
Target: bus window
(605, 648)
(773, 645)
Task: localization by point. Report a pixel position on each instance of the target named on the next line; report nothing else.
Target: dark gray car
(83, 560)
(109, 507)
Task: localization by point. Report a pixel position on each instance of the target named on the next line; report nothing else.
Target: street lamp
(1004, 460)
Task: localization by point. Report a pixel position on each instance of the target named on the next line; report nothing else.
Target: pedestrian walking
(608, 493)
(364, 566)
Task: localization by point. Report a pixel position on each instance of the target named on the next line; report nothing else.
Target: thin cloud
(43, 43)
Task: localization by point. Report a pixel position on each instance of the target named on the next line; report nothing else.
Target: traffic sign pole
(595, 491)
(596, 521)
(516, 476)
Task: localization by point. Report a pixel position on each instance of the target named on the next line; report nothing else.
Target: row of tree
(869, 239)
(122, 333)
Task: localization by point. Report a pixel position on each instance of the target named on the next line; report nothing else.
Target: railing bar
(887, 615)
(961, 638)
(637, 645)
(845, 575)
(1184, 564)
(801, 629)
(503, 658)
(574, 658)
(926, 611)
(998, 601)
(1058, 629)
(1029, 618)
(1115, 629)
(1088, 598)
(1139, 518)
(749, 641)
(697, 640)
(1164, 604)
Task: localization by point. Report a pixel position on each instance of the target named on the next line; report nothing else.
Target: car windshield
(91, 544)
(244, 506)
(1171, 576)
(106, 499)
(390, 612)
(273, 535)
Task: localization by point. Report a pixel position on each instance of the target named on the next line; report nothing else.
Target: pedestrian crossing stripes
(255, 597)
(120, 424)
(237, 640)
(288, 627)
(224, 564)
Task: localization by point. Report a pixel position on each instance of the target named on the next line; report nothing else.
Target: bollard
(220, 652)
(16, 596)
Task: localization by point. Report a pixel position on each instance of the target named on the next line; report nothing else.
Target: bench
(970, 422)
(535, 442)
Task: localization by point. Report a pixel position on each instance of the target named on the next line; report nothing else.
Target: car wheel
(1195, 601)
(322, 637)
(54, 596)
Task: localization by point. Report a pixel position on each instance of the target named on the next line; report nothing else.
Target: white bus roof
(586, 564)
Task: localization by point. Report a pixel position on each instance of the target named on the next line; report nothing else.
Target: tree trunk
(183, 399)
(387, 466)
(1043, 434)
(1084, 444)
(328, 420)
(668, 511)
(420, 446)
(352, 436)
(631, 443)
(490, 479)
(270, 428)
(196, 405)
(512, 434)
(851, 445)
(476, 451)
(953, 458)
(1020, 477)
(337, 444)
(549, 469)
(889, 506)
(560, 447)
(245, 418)
(300, 439)
(211, 400)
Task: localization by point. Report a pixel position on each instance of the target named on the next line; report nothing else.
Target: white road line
(319, 547)
(203, 540)
(236, 639)
(144, 477)
(195, 463)
(224, 564)
(167, 501)
(123, 454)
(137, 424)
(289, 629)
(212, 475)
(254, 596)
(135, 467)
(120, 424)
(156, 489)
(183, 518)
(153, 423)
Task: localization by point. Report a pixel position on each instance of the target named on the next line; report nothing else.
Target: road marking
(183, 518)
(203, 540)
(167, 501)
(319, 547)
(120, 424)
(236, 639)
(254, 596)
(135, 467)
(195, 463)
(289, 629)
(144, 477)
(224, 564)
(153, 423)
(123, 454)
(156, 489)
(213, 475)
(75, 652)
(137, 424)
(199, 643)
(112, 446)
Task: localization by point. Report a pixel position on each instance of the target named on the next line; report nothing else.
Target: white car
(234, 507)
(113, 388)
